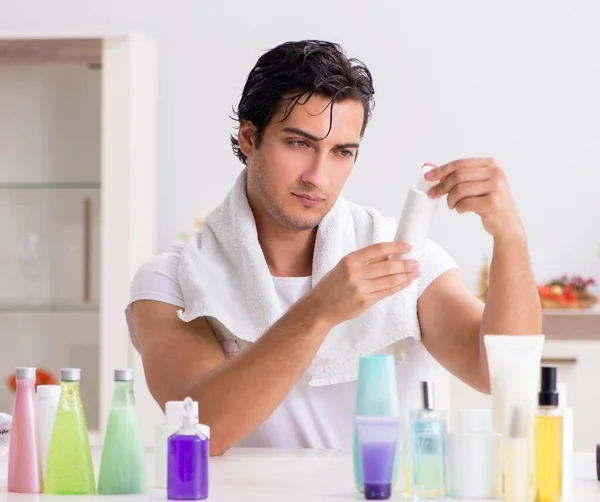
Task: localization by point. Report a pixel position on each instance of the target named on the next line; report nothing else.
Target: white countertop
(285, 476)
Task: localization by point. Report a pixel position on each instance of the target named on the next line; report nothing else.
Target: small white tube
(567, 443)
(517, 457)
(417, 216)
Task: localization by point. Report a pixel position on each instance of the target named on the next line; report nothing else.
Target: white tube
(417, 216)
(517, 454)
(514, 368)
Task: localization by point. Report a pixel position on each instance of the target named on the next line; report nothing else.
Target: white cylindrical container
(5, 424)
(47, 404)
(417, 216)
(473, 457)
(173, 419)
(567, 443)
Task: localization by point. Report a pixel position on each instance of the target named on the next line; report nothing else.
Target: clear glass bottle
(428, 431)
(123, 463)
(548, 440)
(69, 469)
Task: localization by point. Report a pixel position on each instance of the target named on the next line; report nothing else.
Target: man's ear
(246, 134)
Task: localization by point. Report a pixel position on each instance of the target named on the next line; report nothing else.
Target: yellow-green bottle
(123, 464)
(69, 469)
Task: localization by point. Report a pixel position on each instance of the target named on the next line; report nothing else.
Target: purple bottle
(187, 467)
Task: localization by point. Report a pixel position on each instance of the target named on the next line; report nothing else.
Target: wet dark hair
(293, 72)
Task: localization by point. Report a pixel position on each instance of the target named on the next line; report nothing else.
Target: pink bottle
(24, 452)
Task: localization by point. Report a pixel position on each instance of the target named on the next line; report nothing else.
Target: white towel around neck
(224, 275)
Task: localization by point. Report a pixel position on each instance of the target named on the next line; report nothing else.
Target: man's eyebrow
(312, 137)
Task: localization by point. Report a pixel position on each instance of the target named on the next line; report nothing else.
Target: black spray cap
(548, 395)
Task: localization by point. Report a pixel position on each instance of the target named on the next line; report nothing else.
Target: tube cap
(70, 374)
(124, 375)
(548, 396)
(26, 373)
(427, 390)
(475, 421)
(174, 412)
(48, 390)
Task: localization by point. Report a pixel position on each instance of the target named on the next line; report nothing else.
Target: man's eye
(346, 153)
(297, 142)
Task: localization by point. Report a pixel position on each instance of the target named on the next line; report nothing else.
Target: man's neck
(288, 252)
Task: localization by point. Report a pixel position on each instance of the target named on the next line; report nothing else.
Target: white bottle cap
(174, 412)
(475, 421)
(562, 395)
(48, 390)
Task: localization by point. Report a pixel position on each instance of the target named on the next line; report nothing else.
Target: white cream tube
(514, 367)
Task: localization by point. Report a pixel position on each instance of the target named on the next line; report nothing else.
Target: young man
(302, 115)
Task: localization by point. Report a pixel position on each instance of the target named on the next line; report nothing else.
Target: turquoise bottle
(123, 462)
(376, 395)
(69, 469)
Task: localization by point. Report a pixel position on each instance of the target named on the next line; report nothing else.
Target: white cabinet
(77, 204)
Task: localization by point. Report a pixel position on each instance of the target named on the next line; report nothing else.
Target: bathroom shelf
(18, 308)
(52, 185)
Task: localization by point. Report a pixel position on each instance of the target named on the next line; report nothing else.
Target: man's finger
(385, 268)
(458, 178)
(447, 169)
(466, 190)
(381, 250)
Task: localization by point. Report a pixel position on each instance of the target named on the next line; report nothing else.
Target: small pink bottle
(24, 452)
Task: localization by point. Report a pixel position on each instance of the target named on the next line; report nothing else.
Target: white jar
(474, 457)
(173, 419)
(47, 404)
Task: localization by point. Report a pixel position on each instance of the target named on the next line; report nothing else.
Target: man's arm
(453, 321)
(235, 396)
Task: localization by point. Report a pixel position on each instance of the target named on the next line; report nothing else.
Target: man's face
(295, 175)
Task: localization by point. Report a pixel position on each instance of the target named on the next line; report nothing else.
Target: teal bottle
(377, 395)
(123, 462)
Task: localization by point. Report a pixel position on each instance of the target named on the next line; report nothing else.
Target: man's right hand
(361, 279)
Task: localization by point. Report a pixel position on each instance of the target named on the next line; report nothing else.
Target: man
(302, 114)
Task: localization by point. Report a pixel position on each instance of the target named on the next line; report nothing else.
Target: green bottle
(69, 468)
(123, 464)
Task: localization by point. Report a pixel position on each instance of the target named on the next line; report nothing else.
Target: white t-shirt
(309, 417)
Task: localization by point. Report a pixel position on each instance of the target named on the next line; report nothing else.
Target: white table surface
(285, 476)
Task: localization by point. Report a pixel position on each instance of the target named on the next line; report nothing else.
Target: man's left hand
(479, 185)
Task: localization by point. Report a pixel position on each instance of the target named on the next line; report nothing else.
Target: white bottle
(473, 456)
(417, 216)
(173, 418)
(567, 443)
(48, 397)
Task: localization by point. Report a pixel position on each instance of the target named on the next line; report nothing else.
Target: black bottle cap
(548, 395)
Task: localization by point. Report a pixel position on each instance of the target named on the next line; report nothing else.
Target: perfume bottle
(428, 431)
(548, 440)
